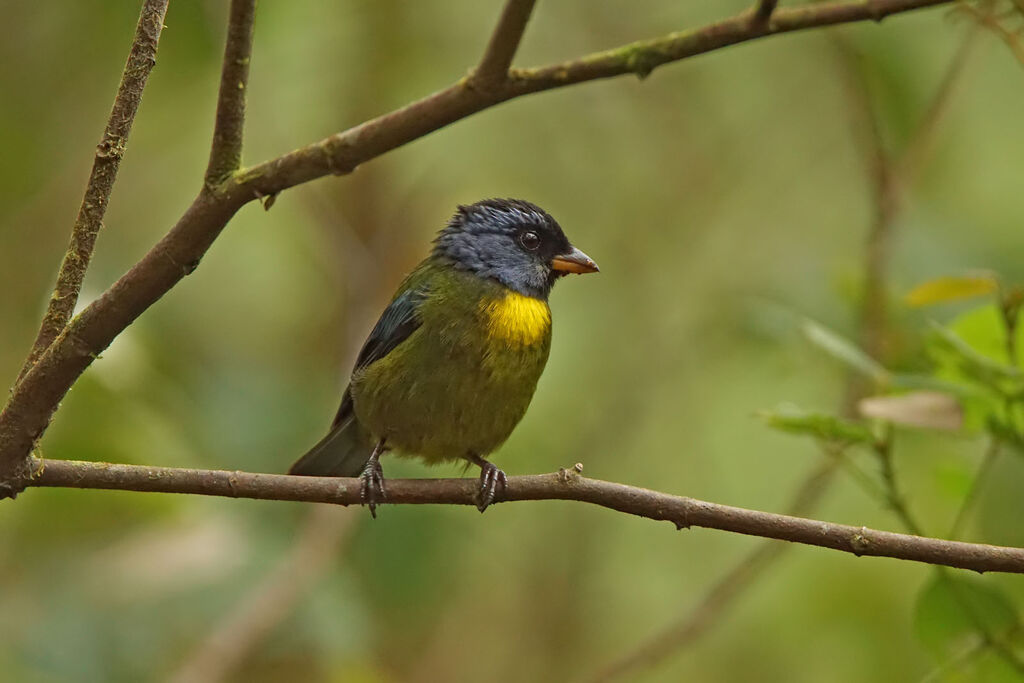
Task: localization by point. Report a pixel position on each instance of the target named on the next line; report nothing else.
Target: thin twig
(980, 477)
(31, 404)
(922, 139)
(141, 60)
(226, 151)
(887, 203)
(343, 152)
(995, 445)
(894, 496)
(1000, 644)
(970, 652)
(992, 23)
(565, 485)
(763, 11)
(501, 50)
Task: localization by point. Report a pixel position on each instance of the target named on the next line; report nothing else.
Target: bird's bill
(574, 262)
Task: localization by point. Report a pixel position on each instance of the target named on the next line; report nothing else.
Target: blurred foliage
(726, 201)
(970, 626)
(942, 623)
(829, 428)
(945, 289)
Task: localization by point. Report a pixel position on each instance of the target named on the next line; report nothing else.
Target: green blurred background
(724, 197)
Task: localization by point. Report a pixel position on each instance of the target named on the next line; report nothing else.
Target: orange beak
(574, 262)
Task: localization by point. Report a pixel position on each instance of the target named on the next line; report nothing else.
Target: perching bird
(452, 364)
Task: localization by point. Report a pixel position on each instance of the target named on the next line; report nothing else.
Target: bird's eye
(529, 240)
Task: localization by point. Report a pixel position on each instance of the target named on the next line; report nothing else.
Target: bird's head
(512, 241)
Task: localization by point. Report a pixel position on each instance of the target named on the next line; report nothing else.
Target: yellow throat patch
(516, 319)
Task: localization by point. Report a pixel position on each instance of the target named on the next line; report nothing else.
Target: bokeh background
(725, 198)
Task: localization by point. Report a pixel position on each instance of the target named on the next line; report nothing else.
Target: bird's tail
(344, 452)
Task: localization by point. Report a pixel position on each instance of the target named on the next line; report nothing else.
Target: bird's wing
(399, 320)
(396, 323)
(345, 410)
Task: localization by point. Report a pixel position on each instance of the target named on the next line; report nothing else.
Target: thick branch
(683, 512)
(226, 152)
(494, 66)
(141, 60)
(33, 401)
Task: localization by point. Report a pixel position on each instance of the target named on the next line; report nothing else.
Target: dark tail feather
(344, 452)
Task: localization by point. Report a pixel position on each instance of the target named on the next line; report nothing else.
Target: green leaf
(818, 425)
(1002, 428)
(984, 330)
(953, 612)
(945, 289)
(844, 350)
(918, 382)
(969, 359)
(953, 352)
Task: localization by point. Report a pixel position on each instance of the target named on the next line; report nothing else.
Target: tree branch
(141, 60)
(922, 139)
(564, 485)
(493, 68)
(343, 152)
(990, 21)
(34, 399)
(763, 11)
(226, 151)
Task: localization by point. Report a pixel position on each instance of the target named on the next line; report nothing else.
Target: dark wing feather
(345, 410)
(396, 323)
(346, 448)
(399, 320)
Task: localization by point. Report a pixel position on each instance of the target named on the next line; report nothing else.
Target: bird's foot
(492, 480)
(372, 491)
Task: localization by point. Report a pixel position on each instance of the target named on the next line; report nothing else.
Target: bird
(452, 364)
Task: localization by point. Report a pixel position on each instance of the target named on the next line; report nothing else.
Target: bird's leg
(491, 479)
(372, 491)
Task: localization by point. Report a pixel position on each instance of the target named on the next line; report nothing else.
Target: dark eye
(529, 240)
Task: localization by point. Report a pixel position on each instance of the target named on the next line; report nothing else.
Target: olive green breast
(463, 380)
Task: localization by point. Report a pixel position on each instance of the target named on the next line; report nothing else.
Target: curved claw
(491, 480)
(372, 491)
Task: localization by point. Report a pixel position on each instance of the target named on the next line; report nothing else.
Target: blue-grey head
(512, 241)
